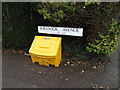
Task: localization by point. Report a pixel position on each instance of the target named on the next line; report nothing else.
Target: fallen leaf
(66, 78)
(83, 71)
(79, 62)
(71, 64)
(94, 67)
(39, 72)
(68, 62)
(25, 65)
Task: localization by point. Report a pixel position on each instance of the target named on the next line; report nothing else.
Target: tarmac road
(20, 72)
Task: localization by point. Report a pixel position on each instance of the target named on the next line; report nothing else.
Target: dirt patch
(67, 60)
(12, 51)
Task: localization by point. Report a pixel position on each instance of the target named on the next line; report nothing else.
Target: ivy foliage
(99, 20)
(106, 44)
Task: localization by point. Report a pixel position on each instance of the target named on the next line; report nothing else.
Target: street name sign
(61, 30)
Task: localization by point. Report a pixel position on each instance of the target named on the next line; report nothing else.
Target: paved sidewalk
(20, 72)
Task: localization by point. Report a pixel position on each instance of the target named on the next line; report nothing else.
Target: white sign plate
(61, 30)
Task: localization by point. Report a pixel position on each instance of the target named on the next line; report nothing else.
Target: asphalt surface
(19, 72)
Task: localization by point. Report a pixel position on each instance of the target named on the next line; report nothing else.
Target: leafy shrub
(99, 20)
(106, 44)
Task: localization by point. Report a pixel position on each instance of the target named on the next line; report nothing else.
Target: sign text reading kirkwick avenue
(61, 30)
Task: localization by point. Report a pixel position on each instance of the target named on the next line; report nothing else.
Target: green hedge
(100, 22)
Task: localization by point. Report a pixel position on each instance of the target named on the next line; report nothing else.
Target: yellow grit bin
(46, 50)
